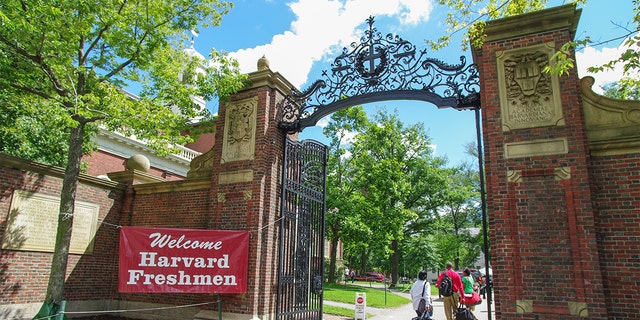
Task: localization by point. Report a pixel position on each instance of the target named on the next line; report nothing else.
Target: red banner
(183, 260)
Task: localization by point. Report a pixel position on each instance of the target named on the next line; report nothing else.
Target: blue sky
(301, 38)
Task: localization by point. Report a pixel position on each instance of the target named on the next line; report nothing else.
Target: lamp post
(487, 256)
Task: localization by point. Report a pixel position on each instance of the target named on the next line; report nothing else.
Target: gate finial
(263, 63)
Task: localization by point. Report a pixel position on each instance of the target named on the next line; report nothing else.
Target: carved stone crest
(529, 97)
(239, 131)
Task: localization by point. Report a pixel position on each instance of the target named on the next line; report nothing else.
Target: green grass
(407, 286)
(340, 311)
(375, 296)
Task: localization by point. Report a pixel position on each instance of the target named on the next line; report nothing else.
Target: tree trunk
(55, 288)
(332, 260)
(395, 261)
(363, 261)
(457, 260)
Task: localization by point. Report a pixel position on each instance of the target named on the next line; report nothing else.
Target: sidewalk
(406, 311)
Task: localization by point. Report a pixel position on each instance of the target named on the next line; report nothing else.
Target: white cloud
(324, 121)
(347, 136)
(592, 57)
(323, 27)
(415, 11)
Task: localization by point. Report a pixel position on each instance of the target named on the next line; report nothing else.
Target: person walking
(451, 296)
(346, 275)
(421, 289)
(470, 287)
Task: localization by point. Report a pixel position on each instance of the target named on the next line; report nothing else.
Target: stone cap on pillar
(562, 17)
(136, 173)
(266, 77)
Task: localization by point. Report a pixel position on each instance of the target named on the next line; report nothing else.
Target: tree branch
(95, 42)
(629, 33)
(31, 90)
(137, 52)
(39, 61)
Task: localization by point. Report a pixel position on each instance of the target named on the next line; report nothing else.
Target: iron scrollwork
(382, 68)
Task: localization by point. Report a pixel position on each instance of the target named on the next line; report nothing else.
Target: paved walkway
(406, 311)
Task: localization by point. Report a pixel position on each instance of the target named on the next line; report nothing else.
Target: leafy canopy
(470, 17)
(64, 64)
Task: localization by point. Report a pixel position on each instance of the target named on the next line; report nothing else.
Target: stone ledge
(561, 17)
(613, 125)
(173, 186)
(133, 175)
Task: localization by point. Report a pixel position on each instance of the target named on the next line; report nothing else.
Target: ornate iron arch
(378, 69)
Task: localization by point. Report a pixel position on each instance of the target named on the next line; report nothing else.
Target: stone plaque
(235, 177)
(529, 97)
(33, 221)
(541, 147)
(240, 131)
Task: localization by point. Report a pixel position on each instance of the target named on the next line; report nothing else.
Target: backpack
(422, 304)
(446, 285)
(425, 310)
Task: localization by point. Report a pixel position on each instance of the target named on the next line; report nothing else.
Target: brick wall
(25, 274)
(616, 188)
(101, 163)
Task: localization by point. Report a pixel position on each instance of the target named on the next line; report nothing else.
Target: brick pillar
(543, 246)
(246, 184)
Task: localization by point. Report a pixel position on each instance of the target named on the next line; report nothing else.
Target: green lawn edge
(341, 311)
(376, 297)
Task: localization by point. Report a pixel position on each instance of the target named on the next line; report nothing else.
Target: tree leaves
(386, 187)
(77, 56)
(470, 16)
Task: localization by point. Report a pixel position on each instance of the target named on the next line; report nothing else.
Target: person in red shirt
(451, 302)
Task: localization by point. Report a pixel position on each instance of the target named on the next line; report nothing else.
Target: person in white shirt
(346, 275)
(421, 289)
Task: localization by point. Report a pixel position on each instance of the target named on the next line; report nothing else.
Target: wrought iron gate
(300, 271)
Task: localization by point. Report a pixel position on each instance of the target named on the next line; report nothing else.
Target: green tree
(391, 201)
(27, 131)
(625, 89)
(420, 252)
(396, 171)
(460, 212)
(64, 64)
(343, 202)
(428, 177)
(420, 249)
